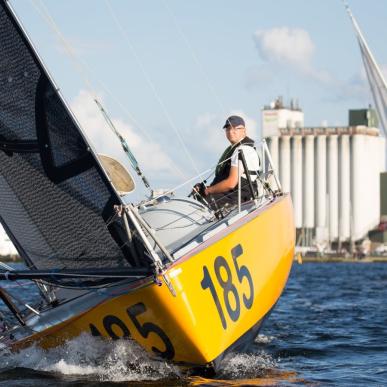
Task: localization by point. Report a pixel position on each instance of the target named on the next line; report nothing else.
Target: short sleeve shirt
(251, 157)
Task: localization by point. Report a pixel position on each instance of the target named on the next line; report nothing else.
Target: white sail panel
(377, 85)
(374, 75)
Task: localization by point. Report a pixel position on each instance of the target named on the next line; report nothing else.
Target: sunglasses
(229, 128)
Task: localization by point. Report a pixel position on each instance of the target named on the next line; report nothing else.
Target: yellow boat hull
(223, 290)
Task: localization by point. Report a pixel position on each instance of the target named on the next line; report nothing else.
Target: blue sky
(185, 65)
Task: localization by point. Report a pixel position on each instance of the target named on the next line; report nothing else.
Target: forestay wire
(83, 70)
(151, 84)
(195, 58)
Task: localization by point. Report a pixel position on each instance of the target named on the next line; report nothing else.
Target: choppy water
(329, 328)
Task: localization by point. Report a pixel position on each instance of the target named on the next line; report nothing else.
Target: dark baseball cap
(234, 121)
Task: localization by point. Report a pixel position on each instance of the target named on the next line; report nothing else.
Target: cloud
(206, 142)
(290, 47)
(355, 87)
(283, 48)
(152, 159)
(285, 45)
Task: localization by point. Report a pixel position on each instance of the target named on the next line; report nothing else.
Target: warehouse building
(333, 173)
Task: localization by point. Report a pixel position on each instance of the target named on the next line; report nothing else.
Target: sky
(169, 72)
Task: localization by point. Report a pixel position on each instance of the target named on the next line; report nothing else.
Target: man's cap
(234, 121)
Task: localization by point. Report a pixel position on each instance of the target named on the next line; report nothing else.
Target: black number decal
(228, 287)
(94, 331)
(221, 266)
(109, 321)
(146, 328)
(243, 272)
(208, 284)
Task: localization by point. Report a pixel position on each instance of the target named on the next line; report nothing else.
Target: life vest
(223, 167)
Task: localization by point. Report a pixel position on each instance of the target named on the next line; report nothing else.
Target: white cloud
(153, 160)
(285, 45)
(206, 141)
(287, 48)
(290, 47)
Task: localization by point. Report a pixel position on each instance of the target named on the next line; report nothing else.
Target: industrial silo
(273, 148)
(321, 189)
(344, 188)
(296, 186)
(284, 161)
(333, 190)
(308, 182)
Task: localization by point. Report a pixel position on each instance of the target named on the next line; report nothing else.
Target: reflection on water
(273, 378)
(329, 328)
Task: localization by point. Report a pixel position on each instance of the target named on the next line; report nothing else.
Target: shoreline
(332, 259)
(10, 258)
(370, 259)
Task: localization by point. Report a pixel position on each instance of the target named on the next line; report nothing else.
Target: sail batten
(55, 200)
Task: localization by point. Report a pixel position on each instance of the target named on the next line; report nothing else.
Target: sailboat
(186, 285)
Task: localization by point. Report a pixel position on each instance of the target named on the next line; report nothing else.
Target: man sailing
(224, 187)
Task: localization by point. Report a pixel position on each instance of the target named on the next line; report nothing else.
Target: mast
(375, 77)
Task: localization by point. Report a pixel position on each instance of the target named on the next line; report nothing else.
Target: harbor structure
(333, 173)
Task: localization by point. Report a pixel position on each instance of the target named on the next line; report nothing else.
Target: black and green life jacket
(223, 167)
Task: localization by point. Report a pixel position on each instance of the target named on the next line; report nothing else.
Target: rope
(151, 84)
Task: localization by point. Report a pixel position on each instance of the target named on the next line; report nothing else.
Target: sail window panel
(65, 143)
(56, 203)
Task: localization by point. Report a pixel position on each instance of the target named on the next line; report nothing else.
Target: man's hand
(198, 191)
(200, 188)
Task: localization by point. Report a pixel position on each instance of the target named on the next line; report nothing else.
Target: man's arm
(224, 185)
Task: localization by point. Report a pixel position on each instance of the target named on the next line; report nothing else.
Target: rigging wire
(23, 286)
(81, 68)
(195, 58)
(151, 84)
(10, 268)
(84, 70)
(194, 178)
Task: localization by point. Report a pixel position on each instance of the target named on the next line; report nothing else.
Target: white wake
(96, 358)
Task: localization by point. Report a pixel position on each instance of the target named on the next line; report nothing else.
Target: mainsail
(56, 202)
(375, 77)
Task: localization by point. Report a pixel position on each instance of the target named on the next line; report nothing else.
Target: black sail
(55, 201)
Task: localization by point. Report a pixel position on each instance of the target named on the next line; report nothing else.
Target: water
(329, 328)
